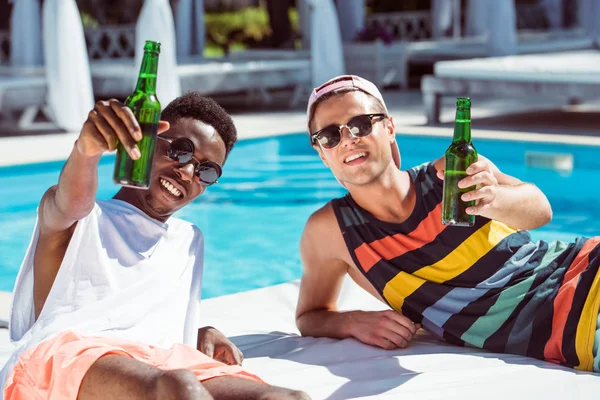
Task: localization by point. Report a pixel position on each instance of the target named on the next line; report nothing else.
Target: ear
(163, 126)
(391, 128)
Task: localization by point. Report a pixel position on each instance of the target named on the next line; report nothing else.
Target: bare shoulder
(321, 223)
(439, 163)
(322, 238)
(324, 217)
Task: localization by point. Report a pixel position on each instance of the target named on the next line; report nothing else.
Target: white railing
(118, 41)
(416, 25)
(111, 41)
(408, 26)
(530, 16)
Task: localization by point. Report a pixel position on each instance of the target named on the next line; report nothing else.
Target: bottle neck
(147, 78)
(462, 125)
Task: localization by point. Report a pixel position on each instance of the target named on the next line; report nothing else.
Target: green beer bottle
(459, 156)
(146, 108)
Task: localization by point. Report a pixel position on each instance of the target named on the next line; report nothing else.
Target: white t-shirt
(124, 275)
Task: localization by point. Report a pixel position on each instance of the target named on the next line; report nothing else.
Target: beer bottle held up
(146, 109)
(459, 156)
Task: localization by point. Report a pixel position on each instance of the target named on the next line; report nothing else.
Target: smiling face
(355, 161)
(174, 185)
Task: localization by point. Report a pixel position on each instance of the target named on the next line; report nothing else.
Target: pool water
(253, 219)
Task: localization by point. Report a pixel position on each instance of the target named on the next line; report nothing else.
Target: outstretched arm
(502, 197)
(73, 198)
(317, 313)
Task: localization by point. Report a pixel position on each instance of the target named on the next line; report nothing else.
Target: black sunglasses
(182, 150)
(359, 126)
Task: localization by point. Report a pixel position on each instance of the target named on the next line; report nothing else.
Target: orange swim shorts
(55, 368)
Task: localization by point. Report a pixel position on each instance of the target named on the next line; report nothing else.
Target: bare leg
(121, 377)
(233, 388)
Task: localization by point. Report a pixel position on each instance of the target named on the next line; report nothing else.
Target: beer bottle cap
(152, 46)
(463, 102)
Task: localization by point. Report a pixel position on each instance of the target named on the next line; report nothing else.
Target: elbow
(75, 210)
(309, 323)
(74, 206)
(301, 324)
(546, 217)
(546, 214)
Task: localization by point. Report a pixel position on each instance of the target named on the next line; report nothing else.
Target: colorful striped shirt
(489, 286)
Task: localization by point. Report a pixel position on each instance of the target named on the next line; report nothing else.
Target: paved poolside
(518, 119)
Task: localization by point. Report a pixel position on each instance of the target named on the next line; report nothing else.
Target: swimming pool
(252, 220)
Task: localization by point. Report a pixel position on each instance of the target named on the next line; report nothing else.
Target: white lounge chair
(261, 323)
(211, 76)
(389, 64)
(23, 91)
(572, 76)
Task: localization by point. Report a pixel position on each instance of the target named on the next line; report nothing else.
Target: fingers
(484, 178)
(401, 320)
(478, 166)
(223, 356)
(238, 356)
(440, 174)
(392, 330)
(228, 355)
(485, 193)
(104, 136)
(397, 334)
(384, 343)
(127, 118)
(397, 340)
(208, 349)
(119, 124)
(480, 209)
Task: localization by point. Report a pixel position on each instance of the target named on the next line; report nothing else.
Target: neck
(137, 198)
(390, 198)
(462, 126)
(147, 78)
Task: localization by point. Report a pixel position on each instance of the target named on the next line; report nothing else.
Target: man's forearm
(77, 185)
(326, 323)
(521, 206)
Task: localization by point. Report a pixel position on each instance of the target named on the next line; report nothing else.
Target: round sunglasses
(181, 150)
(359, 127)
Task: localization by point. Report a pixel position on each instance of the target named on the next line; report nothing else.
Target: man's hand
(107, 124)
(502, 197)
(482, 175)
(215, 345)
(386, 329)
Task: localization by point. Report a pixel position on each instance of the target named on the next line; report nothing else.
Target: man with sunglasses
(488, 286)
(106, 302)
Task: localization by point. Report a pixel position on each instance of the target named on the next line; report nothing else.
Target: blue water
(252, 220)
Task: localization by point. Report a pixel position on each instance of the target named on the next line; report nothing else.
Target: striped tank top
(489, 286)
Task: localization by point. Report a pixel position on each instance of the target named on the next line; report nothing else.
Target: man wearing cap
(488, 286)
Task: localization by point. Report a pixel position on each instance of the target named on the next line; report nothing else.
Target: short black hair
(194, 105)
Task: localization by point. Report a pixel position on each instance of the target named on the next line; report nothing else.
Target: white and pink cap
(346, 81)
